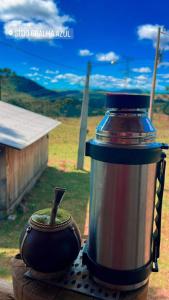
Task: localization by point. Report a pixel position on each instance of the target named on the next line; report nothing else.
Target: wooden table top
(28, 289)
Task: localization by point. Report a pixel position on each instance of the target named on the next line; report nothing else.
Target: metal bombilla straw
(59, 193)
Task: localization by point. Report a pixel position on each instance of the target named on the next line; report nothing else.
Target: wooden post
(6, 290)
(154, 73)
(83, 122)
(0, 88)
(3, 183)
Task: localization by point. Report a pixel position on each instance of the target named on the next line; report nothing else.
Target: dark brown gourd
(51, 240)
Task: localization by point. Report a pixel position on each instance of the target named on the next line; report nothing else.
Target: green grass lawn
(62, 172)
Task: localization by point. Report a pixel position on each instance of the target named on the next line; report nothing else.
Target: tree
(6, 72)
(167, 88)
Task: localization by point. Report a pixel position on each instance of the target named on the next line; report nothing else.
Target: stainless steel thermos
(126, 190)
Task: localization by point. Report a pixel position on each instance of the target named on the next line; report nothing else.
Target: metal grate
(78, 279)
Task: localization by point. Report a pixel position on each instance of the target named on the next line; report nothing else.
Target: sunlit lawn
(62, 172)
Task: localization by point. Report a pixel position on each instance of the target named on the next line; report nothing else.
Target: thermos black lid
(117, 100)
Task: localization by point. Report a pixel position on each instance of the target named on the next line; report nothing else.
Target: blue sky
(118, 37)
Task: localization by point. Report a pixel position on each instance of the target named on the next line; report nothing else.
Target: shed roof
(20, 128)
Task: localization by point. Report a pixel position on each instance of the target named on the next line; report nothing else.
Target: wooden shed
(23, 152)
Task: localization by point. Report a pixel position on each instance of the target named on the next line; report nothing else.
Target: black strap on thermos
(161, 167)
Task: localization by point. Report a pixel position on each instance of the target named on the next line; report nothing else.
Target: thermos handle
(160, 177)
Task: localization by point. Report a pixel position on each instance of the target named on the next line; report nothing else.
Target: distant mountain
(28, 94)
(132, 91)
(20, 84)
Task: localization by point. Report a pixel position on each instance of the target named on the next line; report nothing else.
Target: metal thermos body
(124, 160)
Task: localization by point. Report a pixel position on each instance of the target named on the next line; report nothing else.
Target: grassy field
(62, 172)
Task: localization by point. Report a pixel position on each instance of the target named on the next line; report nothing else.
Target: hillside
(19, 84)
(28, 94)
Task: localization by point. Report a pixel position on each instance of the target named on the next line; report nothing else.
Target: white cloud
(47, 77)
(165, 76)
(164, 64)
(71, 78)
(107, 81)
(51, 72)
(85, 52)
(142, 70)
(54, 80)
(26, 9)
(149, 31)
(97, 80)
(108, 57)
(101, 81)
(32, 15)
(34, 69)
(33, 74)
(141, 78)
